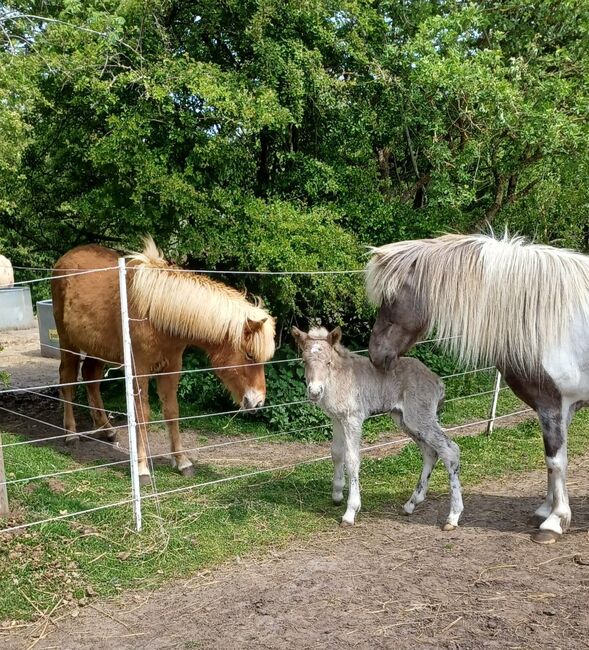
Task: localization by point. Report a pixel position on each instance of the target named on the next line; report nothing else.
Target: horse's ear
(254, 326)
(335, 336)
(299, 337)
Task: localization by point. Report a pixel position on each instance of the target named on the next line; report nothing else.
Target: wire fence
(136, 419)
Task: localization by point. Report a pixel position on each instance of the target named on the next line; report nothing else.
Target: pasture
(266, 552)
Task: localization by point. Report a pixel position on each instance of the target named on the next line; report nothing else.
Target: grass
(99, 553)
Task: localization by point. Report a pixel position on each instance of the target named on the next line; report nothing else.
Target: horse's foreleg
(554, 431)
(352, 436)
(92, 370)
(541, 513)
(338, 450)
(430, 458)
(68, 374)
(142, 415)
(167, 388)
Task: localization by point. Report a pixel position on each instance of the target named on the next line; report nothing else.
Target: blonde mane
(503, 302)
(194, 307)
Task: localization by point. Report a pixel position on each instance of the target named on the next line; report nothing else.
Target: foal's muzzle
(315, 392)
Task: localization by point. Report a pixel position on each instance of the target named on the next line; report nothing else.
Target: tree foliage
(289, 134)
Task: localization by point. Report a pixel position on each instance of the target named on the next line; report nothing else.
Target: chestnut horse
(169, 310)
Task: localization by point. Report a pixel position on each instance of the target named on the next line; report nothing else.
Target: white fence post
(131, 417)
(493, 413)
(4, 510)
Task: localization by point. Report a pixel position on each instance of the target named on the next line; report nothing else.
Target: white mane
(504, 301)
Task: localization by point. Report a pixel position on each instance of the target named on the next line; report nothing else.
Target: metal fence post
(493, 413)
(131, 417)
(4, 510)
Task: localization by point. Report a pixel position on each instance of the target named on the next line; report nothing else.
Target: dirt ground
(390, 582)
(21, 358)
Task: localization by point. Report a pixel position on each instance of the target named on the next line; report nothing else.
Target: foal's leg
(338, 451)
(430, 433)
(430, 458)
(92, 370)
(554, 429)
(352, 436)
(167, 388)
(68, 374)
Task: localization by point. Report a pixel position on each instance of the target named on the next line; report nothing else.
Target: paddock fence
(134, 497)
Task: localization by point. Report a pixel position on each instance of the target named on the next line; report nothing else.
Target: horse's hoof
(535, 521)
(187, 471)
(447, 527)
(73, 441)
(337, 502)
(346, 524)
(144, 479)
(545, 537)
(110, 435)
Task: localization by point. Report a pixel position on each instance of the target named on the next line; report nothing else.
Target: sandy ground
(390, 582)
(21, 358)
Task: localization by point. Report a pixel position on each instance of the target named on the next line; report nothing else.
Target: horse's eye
(249, 356)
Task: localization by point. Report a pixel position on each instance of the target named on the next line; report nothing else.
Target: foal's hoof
(187, 471)
(545, 537)
(535, 521)
(346, 524)
(144, 479)
(447, 527)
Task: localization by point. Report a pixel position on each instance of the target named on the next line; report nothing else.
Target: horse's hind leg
(338, 451)
(449, 453)
(92, 370)
(167, 388)
(430, 458)
(68, 374)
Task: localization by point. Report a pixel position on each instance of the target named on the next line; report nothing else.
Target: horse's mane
(194, 307)
(498, 301)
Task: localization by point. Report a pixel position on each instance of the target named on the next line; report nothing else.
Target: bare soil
(20, 356)
(389, 582)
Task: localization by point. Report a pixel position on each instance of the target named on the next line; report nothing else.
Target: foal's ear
(335, 336)
(299, 337)
(253, 326)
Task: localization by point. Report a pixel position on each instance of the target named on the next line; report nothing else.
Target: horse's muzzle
(252, 400)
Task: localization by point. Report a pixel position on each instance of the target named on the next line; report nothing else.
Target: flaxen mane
(192, 306)
(498, 301)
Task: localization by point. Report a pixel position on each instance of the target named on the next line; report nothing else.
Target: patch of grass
(99, 553)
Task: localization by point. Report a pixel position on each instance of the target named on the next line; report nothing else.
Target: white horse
(6, 273)
(519, 306)
(348, 388)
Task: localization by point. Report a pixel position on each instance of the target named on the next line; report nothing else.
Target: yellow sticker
(53, 335)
